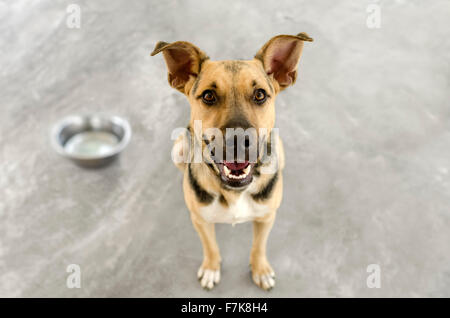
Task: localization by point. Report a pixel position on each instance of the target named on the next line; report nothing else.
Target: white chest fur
(242, 210)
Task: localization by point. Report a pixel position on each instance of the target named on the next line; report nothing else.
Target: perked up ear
(280, 57)
(183, 60)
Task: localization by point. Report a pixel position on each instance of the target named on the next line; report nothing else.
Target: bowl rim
(64, 122)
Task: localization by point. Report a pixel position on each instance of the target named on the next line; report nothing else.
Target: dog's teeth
(243, 175)
(227, 171)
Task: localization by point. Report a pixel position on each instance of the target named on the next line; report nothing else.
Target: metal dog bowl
(91, 140)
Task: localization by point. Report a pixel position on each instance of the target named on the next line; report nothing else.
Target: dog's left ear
(183, 61)
(280, 57)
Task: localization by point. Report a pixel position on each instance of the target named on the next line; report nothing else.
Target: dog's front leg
(262, 273)
(209, 271)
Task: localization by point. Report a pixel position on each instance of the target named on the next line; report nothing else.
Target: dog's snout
(240, 144)
(240, 139)
(238, 122)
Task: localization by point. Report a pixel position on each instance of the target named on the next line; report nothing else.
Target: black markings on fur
(234, 66)
(256, 171)
(222, 200)
(267, 190)
(211, 166)
(202, 195)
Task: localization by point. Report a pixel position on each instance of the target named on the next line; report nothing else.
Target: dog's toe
(265, 281)
(208, 277)
(262, 274)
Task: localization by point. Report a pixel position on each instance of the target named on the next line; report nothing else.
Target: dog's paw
(208, 277)
(263, 275)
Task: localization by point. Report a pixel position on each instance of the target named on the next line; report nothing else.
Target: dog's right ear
(183, 61)
(280, 57)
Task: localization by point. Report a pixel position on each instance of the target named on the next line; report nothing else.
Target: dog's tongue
(236, 165)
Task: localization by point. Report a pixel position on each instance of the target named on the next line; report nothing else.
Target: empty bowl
(91, 140)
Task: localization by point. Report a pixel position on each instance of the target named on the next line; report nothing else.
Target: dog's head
(236, 95)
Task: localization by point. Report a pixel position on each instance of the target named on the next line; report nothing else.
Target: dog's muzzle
(238, 158)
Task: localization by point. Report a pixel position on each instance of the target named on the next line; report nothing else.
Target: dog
(223, 95)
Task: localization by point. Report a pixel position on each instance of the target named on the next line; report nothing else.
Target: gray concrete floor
(366, 131)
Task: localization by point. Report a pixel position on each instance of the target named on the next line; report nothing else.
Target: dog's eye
(208, 97)
(259, 96)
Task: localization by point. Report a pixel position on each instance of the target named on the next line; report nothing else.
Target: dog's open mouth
(236, 174)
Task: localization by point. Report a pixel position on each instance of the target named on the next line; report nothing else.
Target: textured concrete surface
(366, 130)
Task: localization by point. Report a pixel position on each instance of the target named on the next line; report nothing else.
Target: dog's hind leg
(262, 273)
(209, 271)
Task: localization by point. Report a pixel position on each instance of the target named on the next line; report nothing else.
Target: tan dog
(233, 94)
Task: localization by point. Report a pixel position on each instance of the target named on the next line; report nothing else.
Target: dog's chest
(242, 210)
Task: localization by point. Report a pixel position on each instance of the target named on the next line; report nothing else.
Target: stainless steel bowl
(91, 140)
